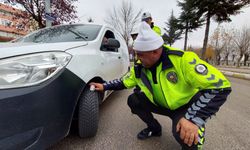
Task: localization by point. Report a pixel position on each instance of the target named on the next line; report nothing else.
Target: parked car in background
(44, 80)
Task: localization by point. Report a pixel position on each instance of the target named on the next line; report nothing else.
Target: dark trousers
(141, 106)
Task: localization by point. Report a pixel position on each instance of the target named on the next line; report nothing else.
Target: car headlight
(31, 69)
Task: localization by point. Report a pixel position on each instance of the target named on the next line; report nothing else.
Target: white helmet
(146, 15)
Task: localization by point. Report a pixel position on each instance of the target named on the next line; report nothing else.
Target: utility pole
(48, 13)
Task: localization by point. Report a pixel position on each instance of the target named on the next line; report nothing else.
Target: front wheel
(88, 116)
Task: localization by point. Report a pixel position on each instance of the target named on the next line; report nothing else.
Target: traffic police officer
(146, 16)
(174, 83)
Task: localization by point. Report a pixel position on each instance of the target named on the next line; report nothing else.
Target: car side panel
(90, 60)
(87, 63)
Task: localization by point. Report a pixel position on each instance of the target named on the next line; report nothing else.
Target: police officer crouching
(173, 83)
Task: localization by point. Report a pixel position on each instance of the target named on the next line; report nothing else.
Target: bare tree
(242, 41)
(217, 42)
(246, 58)
(229, 47)
(124, 19)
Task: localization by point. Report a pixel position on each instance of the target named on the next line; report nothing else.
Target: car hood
(12, 49)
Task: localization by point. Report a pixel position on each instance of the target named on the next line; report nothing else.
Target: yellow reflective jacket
(181, 74)
(157, 30)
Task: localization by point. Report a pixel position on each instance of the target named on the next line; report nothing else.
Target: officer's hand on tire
(97, 86)
(188, 131)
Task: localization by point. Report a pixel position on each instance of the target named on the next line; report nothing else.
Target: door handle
(119, 57)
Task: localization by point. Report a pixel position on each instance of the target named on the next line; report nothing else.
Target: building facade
(12, 25)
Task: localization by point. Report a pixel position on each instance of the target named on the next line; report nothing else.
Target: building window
(2, 12)
(5, 22)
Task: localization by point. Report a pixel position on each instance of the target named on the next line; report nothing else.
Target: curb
(235, 71)
(236, 75)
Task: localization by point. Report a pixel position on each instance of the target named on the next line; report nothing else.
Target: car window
(108, 34)
(66, 33)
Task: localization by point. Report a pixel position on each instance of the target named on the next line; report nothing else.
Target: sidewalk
(242, 73)
(245, 70)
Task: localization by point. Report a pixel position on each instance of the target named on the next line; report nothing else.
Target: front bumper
(38, 116)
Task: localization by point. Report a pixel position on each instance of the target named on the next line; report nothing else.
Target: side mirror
(112, 44)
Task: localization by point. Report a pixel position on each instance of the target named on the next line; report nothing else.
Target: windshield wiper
(78, 35)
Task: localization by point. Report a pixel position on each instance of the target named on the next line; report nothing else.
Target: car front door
(112, 59)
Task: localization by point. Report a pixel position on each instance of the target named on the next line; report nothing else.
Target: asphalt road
(228, 130)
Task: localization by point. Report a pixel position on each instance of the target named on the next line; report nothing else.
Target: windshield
(66, 33)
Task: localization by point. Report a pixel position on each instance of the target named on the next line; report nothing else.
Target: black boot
(147, 133)
(153, 129)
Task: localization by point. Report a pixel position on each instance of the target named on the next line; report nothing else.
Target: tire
(88, 116)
